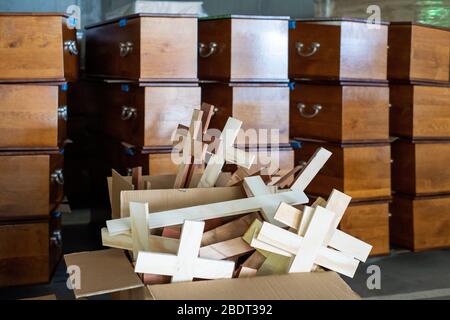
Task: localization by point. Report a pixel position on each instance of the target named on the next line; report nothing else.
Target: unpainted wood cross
(312, 248)
(186, 265)
(193, 150)
(225, 152)
(267, 203)
(337, 203)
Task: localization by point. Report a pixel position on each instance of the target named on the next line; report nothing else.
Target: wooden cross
(313, 247)
(218, 251)
(267, 203)
(225, 152)
(337, 203)
(193, 148)
(186, 265)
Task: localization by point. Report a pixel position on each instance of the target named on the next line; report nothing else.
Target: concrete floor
(403, 275)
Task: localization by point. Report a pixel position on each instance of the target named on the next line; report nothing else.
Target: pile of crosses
(271, 231)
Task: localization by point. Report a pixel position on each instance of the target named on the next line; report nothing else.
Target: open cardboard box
(111, 271)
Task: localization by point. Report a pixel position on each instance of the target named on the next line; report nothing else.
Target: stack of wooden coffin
(142, 70)
(340, 100)
(243, 70)
(38, 57)
(241, 231)
(418, 69)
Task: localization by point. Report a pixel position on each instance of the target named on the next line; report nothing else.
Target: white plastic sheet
(171, 7)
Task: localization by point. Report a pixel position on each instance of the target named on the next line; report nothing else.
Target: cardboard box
(110, 271)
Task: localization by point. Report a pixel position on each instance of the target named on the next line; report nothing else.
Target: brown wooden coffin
(31, 184)
(123, 157)
(345, 49)
(420, 111)
(243, 48)
(147, 115)
(420, 223)
(369, 222)
(418, 52)
(363, 171)
(340, 112)
(24, 253)
(33, 116)
(55, 241)
(421, 167)
(37, 47)
(144, 47)
(261, 107)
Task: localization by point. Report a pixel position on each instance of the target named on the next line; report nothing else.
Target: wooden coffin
(123, 157)
(33, 116)
(363, 171)
(55, 240)
(418, 52)
(144, 47)
(420, 111)
(24, 253)
(243, 48)
(340, 112)
(147, 115)
(420, 223)
(261, 107)
(421, 167)
(369, 222)
(277, 160)
(37, 47)
(345, 49)
(31, 184)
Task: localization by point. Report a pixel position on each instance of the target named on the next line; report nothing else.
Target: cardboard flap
(102, 272)
(294, 286)
(118, 185)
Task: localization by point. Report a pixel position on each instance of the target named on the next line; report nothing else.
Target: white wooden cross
(267, 203)
(193, 148)
(225, 152)
(337, 203)
(313, 247)
(186, 265)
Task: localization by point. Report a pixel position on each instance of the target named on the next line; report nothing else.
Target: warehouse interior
(392, 162)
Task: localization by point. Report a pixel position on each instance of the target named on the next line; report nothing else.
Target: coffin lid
(336, 19)
(140, 15)
(420, 197)
(240, 16)
(29, 151)
(346, 144)
(419, 24)
(434, 140)
(246, 84)
(44, 14)
(148, 84)
(342, 82)
(428, 83)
